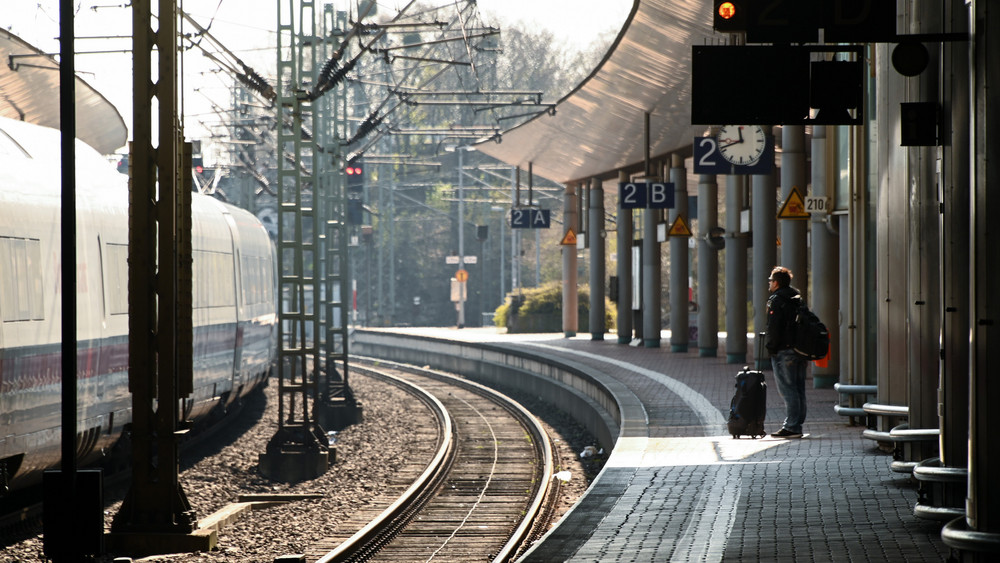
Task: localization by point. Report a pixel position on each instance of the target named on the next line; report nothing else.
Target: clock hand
(740, 130)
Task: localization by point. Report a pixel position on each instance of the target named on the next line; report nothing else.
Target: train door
(240, 314)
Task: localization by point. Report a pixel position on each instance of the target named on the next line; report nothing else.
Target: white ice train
(234, 304)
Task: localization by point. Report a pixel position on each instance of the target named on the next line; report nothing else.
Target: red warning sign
(569, 239)
(679, 228)
(794, 207)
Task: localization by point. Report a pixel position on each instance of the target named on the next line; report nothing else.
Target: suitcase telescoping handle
(761, 362)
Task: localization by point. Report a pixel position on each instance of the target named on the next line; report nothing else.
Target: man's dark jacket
(781, 306)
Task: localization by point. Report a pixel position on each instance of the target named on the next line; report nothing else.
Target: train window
(21, 297)
(116, 276)
(255, 270)
(213, 279)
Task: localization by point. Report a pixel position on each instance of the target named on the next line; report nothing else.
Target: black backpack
(811, 339)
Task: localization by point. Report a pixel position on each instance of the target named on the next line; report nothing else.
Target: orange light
(727, 10)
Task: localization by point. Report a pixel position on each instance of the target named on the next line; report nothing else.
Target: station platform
(680, 488)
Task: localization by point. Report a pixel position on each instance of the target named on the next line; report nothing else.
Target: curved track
(483, 492)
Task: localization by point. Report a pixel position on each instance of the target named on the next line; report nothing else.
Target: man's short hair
(782, 275)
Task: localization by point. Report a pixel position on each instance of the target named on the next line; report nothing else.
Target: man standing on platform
(789, 366)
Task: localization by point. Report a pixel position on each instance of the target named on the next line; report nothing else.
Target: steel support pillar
(155, 516)
(596, 236)
(736, 271)
(707, 298)
(336, 406)
(793, 231)
(956, 186)
(679, 256)
(978, 532)
(299, 449)
(765, 251)
(570, 310)
(624, 231)
(73, 505)
(825, 261)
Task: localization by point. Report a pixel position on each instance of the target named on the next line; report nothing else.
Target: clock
(741, 144)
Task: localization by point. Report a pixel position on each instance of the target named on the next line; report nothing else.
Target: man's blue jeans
(790, 375)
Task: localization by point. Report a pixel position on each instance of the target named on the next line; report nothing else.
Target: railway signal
(729, 16)
(355, 173)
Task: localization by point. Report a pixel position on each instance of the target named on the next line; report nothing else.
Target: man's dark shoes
(786, 433)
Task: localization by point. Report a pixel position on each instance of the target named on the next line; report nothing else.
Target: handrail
(956, 534)
(931, 469)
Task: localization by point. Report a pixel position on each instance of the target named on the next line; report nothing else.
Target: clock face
(741, 144)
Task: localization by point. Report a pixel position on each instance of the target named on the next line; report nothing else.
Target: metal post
(570, 315)
(708, 268)
(296, 451)
(825, 271)
(651, 286)
(765, 234)
(736, 271)
(679, 267)
(793, 232)
(155, 515)
(596, 236)
(624, 232)
(982, 508)
(461, 232)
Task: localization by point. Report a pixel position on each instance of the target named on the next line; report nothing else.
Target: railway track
(483, 493)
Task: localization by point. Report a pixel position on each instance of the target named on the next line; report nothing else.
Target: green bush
(539, 309)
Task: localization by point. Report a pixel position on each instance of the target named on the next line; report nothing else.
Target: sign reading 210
(646, 195)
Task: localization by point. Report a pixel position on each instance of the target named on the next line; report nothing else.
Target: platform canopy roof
(599, 126)
(29, 91)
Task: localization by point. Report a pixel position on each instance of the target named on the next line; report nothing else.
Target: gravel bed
(368, 453)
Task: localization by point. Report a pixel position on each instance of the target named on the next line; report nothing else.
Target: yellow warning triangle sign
(569, 239)
(794, 207)
(679, 228)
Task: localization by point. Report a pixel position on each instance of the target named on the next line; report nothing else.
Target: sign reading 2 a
(527, 218)
(646, 195)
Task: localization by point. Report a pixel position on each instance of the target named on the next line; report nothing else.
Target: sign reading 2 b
(646, 195)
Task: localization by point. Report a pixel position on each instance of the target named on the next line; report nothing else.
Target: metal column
(679, 267)
(982, 509)
(765, 234)
(596, 236)
(296, 451)
(156, 516)
(825, 261)
(651, 280)
(793, 231)
(623, 230)
(708, 268)
(956, 186)
(336, 406)
(736, 271)
(570, 313)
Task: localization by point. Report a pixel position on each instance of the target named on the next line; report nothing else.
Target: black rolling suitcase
(748, 409)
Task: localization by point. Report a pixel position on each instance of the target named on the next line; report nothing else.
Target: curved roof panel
(29, 91)
(599, 126)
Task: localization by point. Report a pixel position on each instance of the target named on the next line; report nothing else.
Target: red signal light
(727, 10)
(353, 170)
